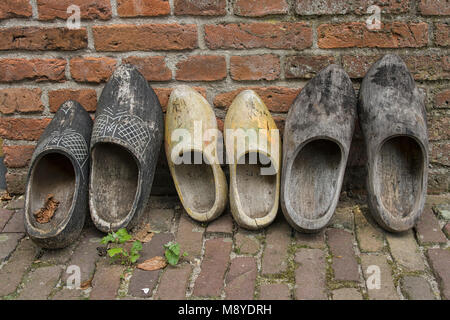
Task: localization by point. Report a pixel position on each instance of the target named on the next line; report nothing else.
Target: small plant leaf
(115, 251)
(123, 235)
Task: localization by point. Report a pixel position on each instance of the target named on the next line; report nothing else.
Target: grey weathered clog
(126, 140)
(393, 121)
(317, 137)
(56, 200)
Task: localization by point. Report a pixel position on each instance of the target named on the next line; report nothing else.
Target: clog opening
(52, 175)
(114, 181)
(399, 174)
(313, 178)
(256, 191)
(195, 180)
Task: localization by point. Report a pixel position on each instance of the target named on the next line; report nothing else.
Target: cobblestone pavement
(227, 262)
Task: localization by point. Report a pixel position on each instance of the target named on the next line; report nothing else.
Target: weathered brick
(356, 34)
(275, 253)
(347, 294)
(20, 100)
(17, 156)
(260, 8)
(446, 230)
(202, 68)
(343, 217)
(86, 97)
(442, 35)
(310, 275)
(5, 215)
(285, 35)
(12, 272)
(160, 219)
(255, 67)
(189, 236)
(152, 68)
(434, 7)
(92, 69)
(174, 282)
(245, 243)
(313, 240)
(142, 37)
(357, 65)
(428, 229)
(40, 283)
(442, 99)
(417, 288)
(387, 290)
(15, 9)
(16, 203)
(223, 224)
(8, 242)
(428, 67)
(38, 38)
(368, 234)
(338, 7)
(22, 128)
(439, 125)
(143, 8)
(344, 264)
(305, 66)
(274, 291)
(16, 223)
(200, 7)
(241, 278)
(106, 281)
(215, 262)
(15, 182)
(405, 251)
(440, 263)
(89, 10)
(277, 99)
(33, 69)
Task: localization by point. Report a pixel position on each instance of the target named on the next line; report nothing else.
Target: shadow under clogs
(253, 147)
(200, 183)
(393, 121)
(56, 200)
(126, 141)
(316, 143)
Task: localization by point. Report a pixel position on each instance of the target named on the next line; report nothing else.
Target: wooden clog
(254, 185)
(393, 121)
(316, 143)
(201, 185)
(126, 140)
(56, 200)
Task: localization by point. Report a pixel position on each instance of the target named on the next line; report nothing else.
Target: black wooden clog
(126, 140)
(317, 137)
(393, 121)
(58, 179)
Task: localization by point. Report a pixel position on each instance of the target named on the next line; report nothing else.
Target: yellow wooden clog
(253, 148)
(191, 134)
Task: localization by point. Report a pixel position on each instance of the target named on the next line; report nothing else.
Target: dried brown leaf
(86, 284)
(154, 263)
(5, 196)
(45, 214)
(144, 234)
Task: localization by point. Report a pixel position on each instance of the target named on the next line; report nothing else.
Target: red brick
(15, 9)
(335, 7)
(202, 68)
(442, 99)
(143, 8)
(89, 9)
(241, 278)
(260, 8)
(223, 224)
(305, 67)
(255, 67)
(17, 156)
(20, 100)
(22, 128)
(310, 275)
(215, 262)
(440, 153)
(33, 69)
(357, 65)
(284, 35)
(86, 97)
(442, 35)
(428, 67)
(275, 253)
(15, 182)
(344, 264)
(428, 229)
(174, 283)
(434, 7)
(5, 215)
(164, 95)
(446, 230)
(417, 288)
(152, 68)
(92, 69)
(189, 236)
(440, 262)
(277, 99)
(8, 242)
(439, 126)
(275, 291)
(37, 38)
(145, 37)
(356, 34)
(106, 281)
(200, 7)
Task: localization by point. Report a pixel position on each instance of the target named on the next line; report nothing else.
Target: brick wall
(218, 46)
